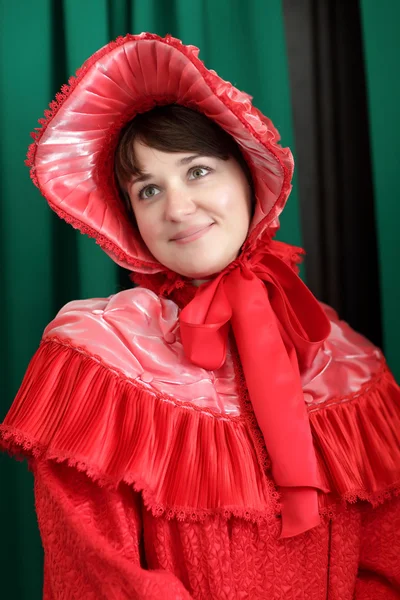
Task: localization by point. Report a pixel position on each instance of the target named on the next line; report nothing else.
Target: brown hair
(172, 128)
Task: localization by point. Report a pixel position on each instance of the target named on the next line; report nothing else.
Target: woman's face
(193, 212)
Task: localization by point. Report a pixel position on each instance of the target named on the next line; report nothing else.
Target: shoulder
(138, 303)
(121, 330)
(346, 364)
(107, 393)
(354, 408)
(135, 334)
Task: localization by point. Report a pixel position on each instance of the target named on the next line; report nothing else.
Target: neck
(198, 282)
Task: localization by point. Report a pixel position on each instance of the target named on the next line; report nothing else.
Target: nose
(179, 204)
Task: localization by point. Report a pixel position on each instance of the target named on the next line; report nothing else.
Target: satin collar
(279, 327)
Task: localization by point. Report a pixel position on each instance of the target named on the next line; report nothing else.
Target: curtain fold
(380, 23)
(327, 75)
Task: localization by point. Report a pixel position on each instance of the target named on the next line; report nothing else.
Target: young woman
(214, 432)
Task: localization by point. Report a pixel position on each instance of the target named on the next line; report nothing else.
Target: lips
(190, 231)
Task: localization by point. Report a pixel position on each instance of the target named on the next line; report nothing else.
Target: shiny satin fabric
(262, 294)
(138, 333)
(72, 157)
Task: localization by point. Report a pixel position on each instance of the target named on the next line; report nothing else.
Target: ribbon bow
(279, 327)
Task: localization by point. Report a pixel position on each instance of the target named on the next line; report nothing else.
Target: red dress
(142, 494)
(153, 476)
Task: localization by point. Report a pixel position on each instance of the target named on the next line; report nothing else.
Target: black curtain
(332, 151)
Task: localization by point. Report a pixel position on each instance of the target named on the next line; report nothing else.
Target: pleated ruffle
(190, 463)
(357, 438)
(187, 462)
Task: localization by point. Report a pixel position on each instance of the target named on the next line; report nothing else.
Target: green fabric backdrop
(44, 262)
(382, 55)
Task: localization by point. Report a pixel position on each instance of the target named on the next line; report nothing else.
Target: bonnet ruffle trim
(180, 289)
(258, 128)
(190, 463)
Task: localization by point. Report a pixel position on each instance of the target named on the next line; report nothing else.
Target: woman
(215, 432)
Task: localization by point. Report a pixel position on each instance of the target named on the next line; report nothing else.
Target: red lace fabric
(104, 544)
(138, 496)
(108, 511)
(91, 541)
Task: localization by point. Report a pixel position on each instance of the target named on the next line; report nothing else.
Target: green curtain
(45, 263)
(382, 53)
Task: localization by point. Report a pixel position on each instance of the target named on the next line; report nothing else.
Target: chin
(201, 271)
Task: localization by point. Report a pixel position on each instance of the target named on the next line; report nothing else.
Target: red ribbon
(279, 327)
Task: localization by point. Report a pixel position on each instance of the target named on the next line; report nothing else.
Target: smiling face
(193, 212)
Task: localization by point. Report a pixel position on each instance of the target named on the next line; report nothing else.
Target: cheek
(147, 225)
(235, 205)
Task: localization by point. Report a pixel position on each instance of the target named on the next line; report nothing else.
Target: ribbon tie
(279, 327)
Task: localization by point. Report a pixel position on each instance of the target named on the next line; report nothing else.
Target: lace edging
(71, 408)
(357, 443)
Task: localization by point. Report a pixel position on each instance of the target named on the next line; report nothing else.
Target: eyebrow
(183, 161)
